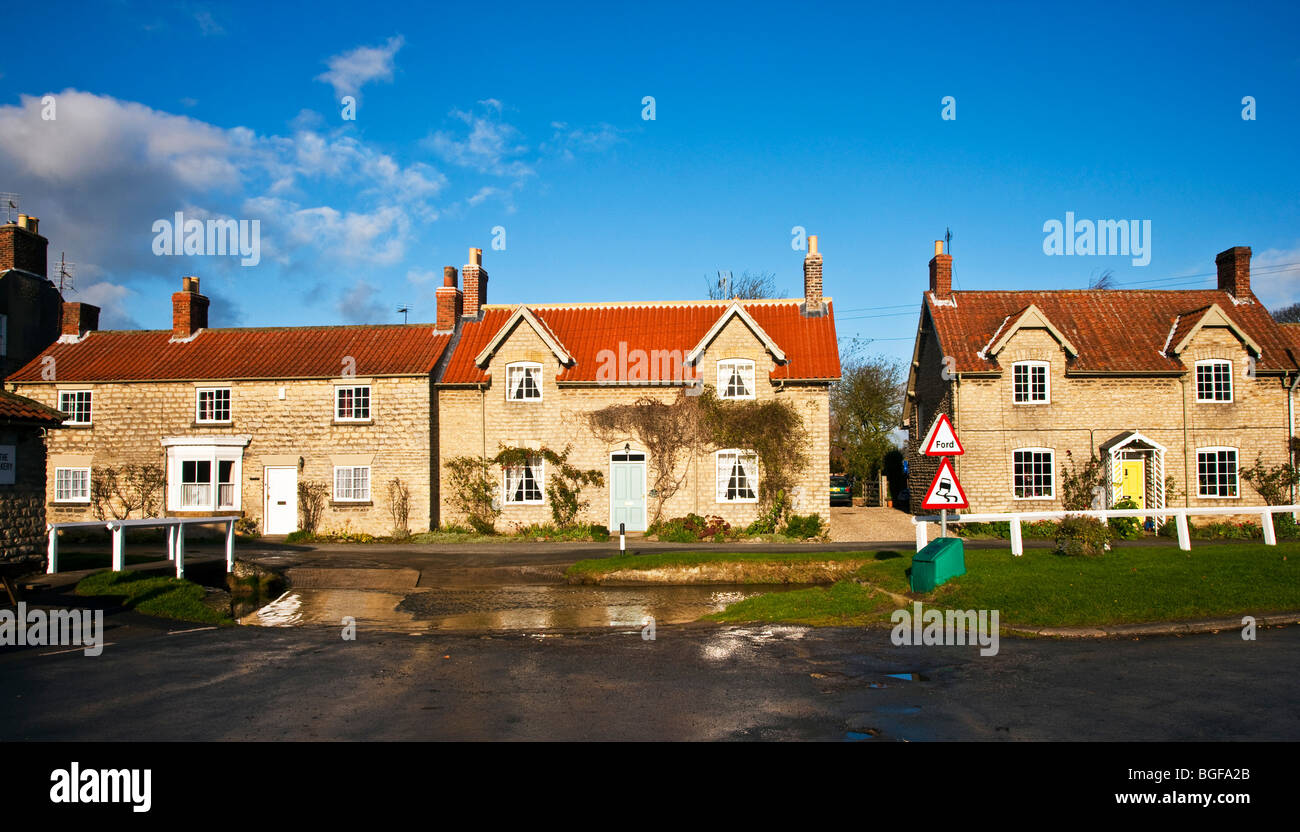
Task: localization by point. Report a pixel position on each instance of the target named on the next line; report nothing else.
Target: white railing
(1179, 514)
(175, 527)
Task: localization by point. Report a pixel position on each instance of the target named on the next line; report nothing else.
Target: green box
(939, 561)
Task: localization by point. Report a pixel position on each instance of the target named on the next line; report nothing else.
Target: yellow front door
(1133, 485)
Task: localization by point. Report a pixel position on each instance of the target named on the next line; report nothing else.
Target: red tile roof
(1120, 331)
(586, 329)
(270, 353)
(19, 409)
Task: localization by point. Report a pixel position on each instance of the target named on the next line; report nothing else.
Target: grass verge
(739, 567)
(1042, 589)
(160, 596)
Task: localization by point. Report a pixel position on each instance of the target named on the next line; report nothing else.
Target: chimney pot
(80, 318)
(1234, 271)
(189, 309)
(812, 280)
(475, 279)
(940, 272)
(449, 276)
(22, 247)
(451, 301)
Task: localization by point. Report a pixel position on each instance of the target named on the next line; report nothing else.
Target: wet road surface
(692, 682)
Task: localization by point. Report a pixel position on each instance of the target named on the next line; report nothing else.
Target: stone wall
(22, 505)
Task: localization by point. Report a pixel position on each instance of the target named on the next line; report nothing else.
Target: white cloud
(568, 141)
(100, 174)
(208, 24)
(1275, 276)
(487, 145)
(350, 71)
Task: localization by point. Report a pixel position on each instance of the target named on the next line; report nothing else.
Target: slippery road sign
(942, 439)
(945, 491)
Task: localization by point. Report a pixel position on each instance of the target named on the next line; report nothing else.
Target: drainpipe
(1290, 432)
(482, 412)
(1187, 482)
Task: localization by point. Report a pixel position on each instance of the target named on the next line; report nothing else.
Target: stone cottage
(196, 421)
(1176, 391)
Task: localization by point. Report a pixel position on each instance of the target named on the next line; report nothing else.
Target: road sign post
(945, 491)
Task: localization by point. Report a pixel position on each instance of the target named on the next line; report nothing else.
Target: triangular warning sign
(945, 491)
(942, 439)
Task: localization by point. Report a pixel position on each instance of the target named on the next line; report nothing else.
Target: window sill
(69, 504)
(78, 425)
(350, 503)
(525, 503)
(353, 422)
(229, 424)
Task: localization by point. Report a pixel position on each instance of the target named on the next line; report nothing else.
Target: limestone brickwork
(289, 423)
(1086, 412)
(480, 421)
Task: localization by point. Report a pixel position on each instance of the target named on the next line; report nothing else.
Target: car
(903, 500)
(841, 490)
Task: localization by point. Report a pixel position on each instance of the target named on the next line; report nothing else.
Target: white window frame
(537, 465)
(1214, 362)
(1236, 472)
(745, 367)
(719, 490)
(72, 416)
(338, 390)
(198, 405)
(72, 499)
(1051, 452)
(1030, 366)
(213, 451)
(530, 367)
(354, 469)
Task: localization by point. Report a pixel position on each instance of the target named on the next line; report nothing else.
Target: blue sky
(528, 117)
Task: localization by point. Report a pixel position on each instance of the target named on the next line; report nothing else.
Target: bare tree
(749, 286)
(1105, 280)
(1288, 314)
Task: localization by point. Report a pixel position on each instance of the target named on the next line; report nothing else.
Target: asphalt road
(154, 681)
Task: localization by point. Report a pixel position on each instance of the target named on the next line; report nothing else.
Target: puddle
(526, 607)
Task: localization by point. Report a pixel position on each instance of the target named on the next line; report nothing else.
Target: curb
(1212, 625)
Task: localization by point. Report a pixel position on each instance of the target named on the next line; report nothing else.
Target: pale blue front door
(627, 491)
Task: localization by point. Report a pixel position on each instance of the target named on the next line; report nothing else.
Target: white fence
(175, 527)
(1179, 514)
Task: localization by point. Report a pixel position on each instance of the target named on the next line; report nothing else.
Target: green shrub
(1285, 526)
(1042, 529)
(1001, 530)
(690, 528)
(1080, 536)
(299, 536)
(1126, 528)
(804, 527)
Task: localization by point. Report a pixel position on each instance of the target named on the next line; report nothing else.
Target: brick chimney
(22, 247)
(812, 280)
(476, 280)
(80, 318)
(1234, 271)
(189, 309)
(940, 272)
(451, 301)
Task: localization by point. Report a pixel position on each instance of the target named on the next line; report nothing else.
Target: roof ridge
(645, 303)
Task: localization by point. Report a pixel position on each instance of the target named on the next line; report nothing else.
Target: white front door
(281, 514)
